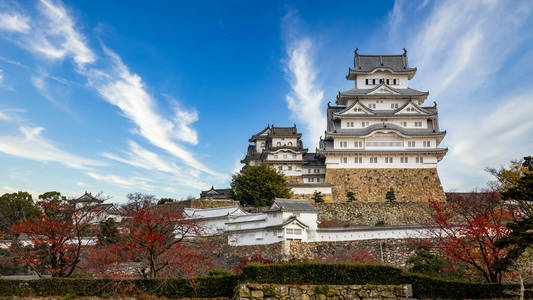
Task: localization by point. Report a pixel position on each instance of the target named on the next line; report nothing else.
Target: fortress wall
(370, 213)
(371, 185)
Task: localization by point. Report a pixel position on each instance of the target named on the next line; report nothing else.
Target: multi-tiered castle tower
(380, 136)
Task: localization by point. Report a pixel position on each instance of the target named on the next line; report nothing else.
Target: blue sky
(119, 96)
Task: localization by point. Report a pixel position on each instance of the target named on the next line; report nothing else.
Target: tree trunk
(522, 288)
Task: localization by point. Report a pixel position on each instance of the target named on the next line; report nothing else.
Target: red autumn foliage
(256, 257)
(467, 229)
(152, 243)
(358, 257)
(56, 237)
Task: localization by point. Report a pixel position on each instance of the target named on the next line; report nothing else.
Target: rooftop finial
(356, 49)
(404, 51)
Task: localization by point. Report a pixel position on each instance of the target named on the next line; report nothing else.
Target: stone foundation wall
(197, 203)
(311, 292)
(294, 179)
(388, 251)
(372, 184)
(370, 213)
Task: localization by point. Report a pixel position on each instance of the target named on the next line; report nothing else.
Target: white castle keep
(379, 136)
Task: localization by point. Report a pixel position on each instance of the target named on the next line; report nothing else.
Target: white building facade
(382, 122)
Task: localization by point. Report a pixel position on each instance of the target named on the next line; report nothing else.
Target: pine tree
(350, 196)
(318, 197)
(390, 196)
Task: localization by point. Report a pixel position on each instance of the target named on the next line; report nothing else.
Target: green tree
(390, 196)
(258, 186)
(520, 238)
(425, 262)
(318, 197)
(350, 196)
(165, 201)
(108, 233)
(16, 208)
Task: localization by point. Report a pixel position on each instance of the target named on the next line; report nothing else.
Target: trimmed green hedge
(208, 286)
(221, 284)
(423, 286)
(316, 273)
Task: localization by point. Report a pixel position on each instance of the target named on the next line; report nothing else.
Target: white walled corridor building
(291, 219)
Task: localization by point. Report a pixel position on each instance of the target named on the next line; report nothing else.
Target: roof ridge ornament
(404, 58)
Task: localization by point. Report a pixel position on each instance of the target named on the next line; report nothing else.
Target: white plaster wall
(311, 170)
(284, 155)
(284, 142)
(335, 161)
(310, 190)
(383, 142)
(360, 80)
(377, 234)
(400, 121)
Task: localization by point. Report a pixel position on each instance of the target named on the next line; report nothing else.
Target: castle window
(345, 160)
(289, 168)
(388, 160)
(419, 160)
(366, 81)
(427, 143)
(358, 160)
(381, 80)
(404, 124)
(404, 160)
(309, 171)
(418, 124)
(372, 105)
(411, 144)
(373, 160)
(311, 180)
(343, 144)
(290, 144)
(388, 81)
(394, 105)
(275, 156)
(317, 170)
(374, 81)
(394, 81)
(358, 144)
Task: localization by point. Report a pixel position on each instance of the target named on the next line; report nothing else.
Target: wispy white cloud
(1, 76)
(127, 91)
(58, 38)
(114, 179)
(306, 99)
(142, 158)
(14, 22)
(4, 116)
(30, 144)
(461, 48)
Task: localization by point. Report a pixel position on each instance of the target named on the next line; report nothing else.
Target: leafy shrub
(204, 286)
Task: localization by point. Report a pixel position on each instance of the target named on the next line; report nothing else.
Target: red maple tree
(152, 243)
(467, 229)
(52, 243)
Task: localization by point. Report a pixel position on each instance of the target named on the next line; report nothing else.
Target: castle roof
(423, 110)
(396, 92)
(385, 127)
(87, 198)
(364, 64)
(214, 193)
(291, 205)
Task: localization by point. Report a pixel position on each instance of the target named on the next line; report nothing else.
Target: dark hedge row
(423, 286)
(223, 284)
(316, 273)
(208, 286)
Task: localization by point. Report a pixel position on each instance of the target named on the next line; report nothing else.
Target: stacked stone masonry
(371, 213)
(322, 292)
(372, 184)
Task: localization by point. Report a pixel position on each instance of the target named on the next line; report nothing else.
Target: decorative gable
(383, 90)
(356, 108)
(410, 108)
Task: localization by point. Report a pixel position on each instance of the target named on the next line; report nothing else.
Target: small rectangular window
(388, 81)
(366, 81)
(290, 168)
(374, 81)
